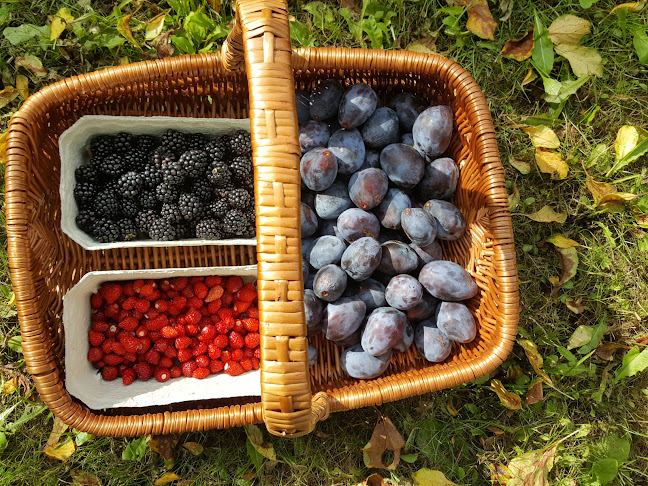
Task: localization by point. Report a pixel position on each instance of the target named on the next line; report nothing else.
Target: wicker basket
(45, 263)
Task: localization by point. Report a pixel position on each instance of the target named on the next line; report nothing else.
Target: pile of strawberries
(191, 326)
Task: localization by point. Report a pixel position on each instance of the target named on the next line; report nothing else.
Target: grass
(479, 434)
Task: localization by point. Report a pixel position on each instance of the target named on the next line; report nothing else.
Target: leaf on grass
(598, 189)
(535, 393)
(576, 306)
(480, 19)
(568, 266)
(193, 447)
(4, 139)
(60, 452)
(136, 449)
(166, 478)
(7, 95)
(532, 468)
(615, 202)
(633, 362)
(543, 54)
(15, 343)
(255, 437)
(123, 27)
(547, 215)
(523, 167)
(10, 386)
(542, 136)
(616, 447)
(385, 437)
(535, 358)
(529, 77)
(581, 336)
(60, 22)
(31, 63)
(164, 445)
(640, 42)
(514, 199)
(630, 144)
(24, 32)
(605, 470)
(551, 162)
(568, 29)
(509, 400)
(499, 474)
(519, 49)
(373, 480)
(82, 478)
(22, 85)
(559, 241)
(163, 45)
(81, 438)
(584, 61)
(154, 26)
(630, 6)
(606, 351)
(451, 409)
(431, 477)
(565, 90)
(425, 44)
(58, 428)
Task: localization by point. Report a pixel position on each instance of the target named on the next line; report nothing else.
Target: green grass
(611, 280)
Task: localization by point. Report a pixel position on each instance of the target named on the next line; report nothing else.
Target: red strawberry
(187, 292)
(142, 305)
(188, 367)
(247, 293)
(185, 354)
(250, 324)
(194, 302)
(128, 376)
(215, 366)
(238, 326)
(129, 289)
(192, 329)
(246, 364)
(165, 285)
(96, 301)
(137, 285)
(255, 363)
(130, 343)
(233, 368)
(162, 374)
(169, 332)
(252, 340)
(113, 359)
(157, 323)
(225, 312)
(201, 373)
(165, 362)
(248, 353)
(179, 302)
(155, 336)
(129, 324)
(234, 283)
(112, 331)
(225, 356)
(130, 357)
(112, 310)
(141, 331)
(111, 292)
(118, 348)
(208, 333)
(240, 306)
(162, 344)
(171, 352)
(152, 357)
(221, 327)
(109, 373)
(96, 354)
(200, 348)
(129, 303)
(96, 338)
(252, 312)
(100, 326)
(202, 361)
(227, 299)
(212, 307)
(214, 293)
(176, 372)
(201, 290)
(172, 294)
(147, 291)
(213, 280)
(161, 305)
(236, 340)
(182, 342)
(107, 345)
(236, 355)
(144, 371)
(221, 341)
(257, 353)
(179, 283)
(144, 345)
(213, 351)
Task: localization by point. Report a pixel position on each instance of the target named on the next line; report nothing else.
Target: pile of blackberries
(178, 186)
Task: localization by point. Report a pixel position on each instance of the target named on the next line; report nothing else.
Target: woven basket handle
(261, 38)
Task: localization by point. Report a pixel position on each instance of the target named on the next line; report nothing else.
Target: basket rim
(43, 367)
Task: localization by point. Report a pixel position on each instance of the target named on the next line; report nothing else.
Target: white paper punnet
(82, 379)
(73, 145)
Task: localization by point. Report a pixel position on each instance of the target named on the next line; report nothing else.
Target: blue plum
(302, 100)
(397, 257)
(432, 130)
(313, 309)
(361, 258)
(384, 328)
(312, 356)
(408, 107)
(456, 321)
(403, 292)
(329, 283)
(431, 342)
(403, 165)
(405, 340)
(356, 223)
(451, 224)
(308, 221)
(330, 203)
(348, 147)
(342, 318)
(425, 309)
(326, 250)
(368, 187)
(390, 208)
(439, 180)
(318, 169)
(363, 366)
(325, 99)
(419, 227)
(357, 104)
(380, 129)
(312, 135)
(447, 281)
(370, 291)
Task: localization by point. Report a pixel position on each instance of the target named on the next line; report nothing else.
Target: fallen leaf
(519, 49)
(385, 437)
(431, 477)
(565, 89)
(123, 27)
(542, 136)
(615, 203)
(451, 409)
(166, 478)
(163, 45)
(255, 436)
(7, 95)
(10, 386)
(559, 241)
(627, 139)
(576, 306)
(193, 447)
(581, 336)
(529, 77)
(551, 162)
(495, 430)
(22, 85)
(547, 215)
(568, 29)
(215, 5)
(514, 199)
(164, 445)
(597, 152)
(535, 358)
(568, 265)
(509, 400)
(60, 452)
(606, 351)
(425, 44)
(31, 63)
(642, 340)
(154, 27)
(59, 23)
(584, 61)
(523, 167)
(373, 480)
(4, 139)
(58, 428)
(633, 362)
(631, 6)
(598, 189)
(499, 474)
(82, 478)
(535, 393)
(480, 20)
(532, 468)
(506, 6)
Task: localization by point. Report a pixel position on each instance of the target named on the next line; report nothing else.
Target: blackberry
(85, 220)
(172, 172)
(184, 229)
(111, 165)
(194, 163)
(235, 223)
(159, 155)
(166, 193)
(217, 149)
(106, 204)
(202, 189)
(239, 199)
(219, 174)
(129, 184)
(84, 193)
(144, 219)
(135, 160)
(129, 208)
(127, 229)
(171, 211)
(240, 143)
(152, 176)
(196, 141)
(105, 231)
(123, 142)
(191, 207)
(174, 141)
(102, 146)
(242, 170)
(85, 173)
(161, 229)
(208, 229)
(146, 143)
(219, 208)
(148, 199)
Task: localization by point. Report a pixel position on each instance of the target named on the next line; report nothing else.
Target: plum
(403, 165)
(380, 129)
(355, 223)
(408, 107)
(403, 292)
(313, 309)
(397, 257)
(439, 180)
(456, 321)
(329, 283)
(318, 169)
(425, 309)
(384, 328)
(302, 100)
(312, 356)
(361, 258)
(451, 224)
(363, 366)
(308, 221)
(325, 99)
(432, 130)
(405, 340)
(370, 291)
(348, 147)
(419, 227)
(368, 187)
(342, 318)
(312, 135)
(326, 250)
(431, 342)
(390, 208)
(447, 281)
(330, 203)
(357, 104)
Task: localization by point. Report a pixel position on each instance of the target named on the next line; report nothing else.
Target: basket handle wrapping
(261, 38)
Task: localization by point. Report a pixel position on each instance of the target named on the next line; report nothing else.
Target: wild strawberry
(252, 312)
(240, 306)
(169, 332)
(172, 294)
(141, 331)
(176, 372)
(99, 315)
(111, 292)
(112, 310)
(193, 316)
(221, 341)
(188, 367)
(109, 373)
(123, 314)
(202, 361)
(128, 289)
(112, 331)
(144, 345)
(96, 354)
(248, 353)
(215, 366)
(137, 314)
(208, 333)
(236, 340)
(221, 327)
(118, 348)
(179, 283)
(247, 293)
(252, 340)
(214, 293)
(233, 368)
(195, 279)
(155, 336)
(185, 354)
(128, 376)
(130, 357)
(96, 301)
(171, 352)
(106, 346)
(165, 362)
(236, 355)
(182, 342)
(195, 302)
(187, 292)
(151, 313)
(201, 290)
(213, 280)
(201, 373)
(212, 307)
(192, 329)
(199, 349)
(162, 374)
(227, 299)
(96, 338)
(129, 324)
(257, 353)
(100, 364)
(142, 305)
(238, 326)
(161, 305)
(129, 303)
(100, 326)
(144, 371)
(157, 323)
(181, 321)
(225, 356)
(255, 363)
(152, 357)
(233, 283)
(179, 302)
(225, 312)
(138, 284)
(246, 364)
(213, 351)
(162, 344)
(250, 324)
(147, 291)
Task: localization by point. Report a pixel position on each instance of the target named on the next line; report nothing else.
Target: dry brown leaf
(163, 45)
(480, 20)
(584, 61)
(542, 136)
(499, 474)
(509, 400)
(535, 393)
(642, 340)
(495, 430)
(58, 428)
(532, 468)
(547, 215)
(551, 162)
(606, 351)
(568, 266)
(530, 76)
(60, 452)
(373, 480)
(7, 95)
(193, 447)
(519, 49)
(215, 4)
(425, 44)
(576, 306)
(82, 478)
(31, 63)
(535, 358)
(164, 445)
(385, 437)
(568, 29)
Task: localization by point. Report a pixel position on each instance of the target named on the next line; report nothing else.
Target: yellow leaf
(559, 241)
(568, 29)
(547, 215)
(7, 95)
(22, 85)
(31, 63)
(520, 165)
(154, 26)
(480, 20)
(58, 428)
(542, 136)
(568, 266)
(255, 436)
(385, 437)
(631, 6)
(193, 447)
(535, 358)
(164, 445)
(519, 49)
(514, 199)
(532, 468)
(166, 478)
(425, 44)
(10, 386)
(65, 14)
(584, 61)
(4, 139)
(60, 22)
(598, 189)
(551, 162)
(430, 477)
(123, 27)
(508, 399)
(451, 409)
(614, 202)
(628, 137)
(530, 76)
(60, 452)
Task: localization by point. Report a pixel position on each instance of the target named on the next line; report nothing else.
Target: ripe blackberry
(102, 146)
(129, 184)
(144, 219)
(194, 163)
(235, 223)
(106, 204)
(217, 149)
(202, 189)
(185, 229)
(240, 143)
(86, 173)
(127, 229)
(84, 193)
(219, 174)
(174, 141)
(146, 143)
(171, 211)
(111, 165)
(148, 199)
(239, 199)
(129, 208)
(152, 176)
(242, 170)
(172, 172)
(196, 141)
(191, 207)
(161, 229)
(219, 208)
(135, 160)
(159, 155)
(167, 193)
(85, 220)
(123, 142)
(105, 231)
(208, 229)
